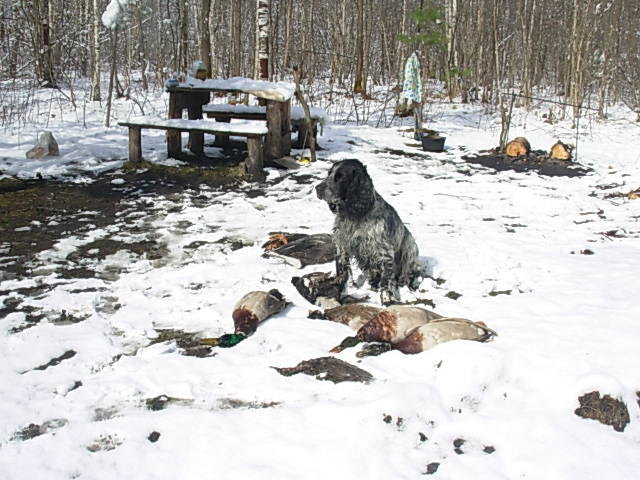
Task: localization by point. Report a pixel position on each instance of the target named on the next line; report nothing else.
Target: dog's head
(348, 189)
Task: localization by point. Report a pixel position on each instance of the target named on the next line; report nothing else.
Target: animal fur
(369, 230)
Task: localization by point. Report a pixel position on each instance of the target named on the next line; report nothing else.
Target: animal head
(348, 189)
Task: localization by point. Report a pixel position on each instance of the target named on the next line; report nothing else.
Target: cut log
(560, 151)
(517, 147)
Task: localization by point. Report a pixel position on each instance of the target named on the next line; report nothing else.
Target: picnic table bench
(224, 112)
(192, 94)
(253, 131)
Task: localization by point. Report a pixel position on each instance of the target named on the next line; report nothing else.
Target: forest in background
(583, 52)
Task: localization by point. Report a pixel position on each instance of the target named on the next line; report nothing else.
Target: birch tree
(95, 53)
(262, 39)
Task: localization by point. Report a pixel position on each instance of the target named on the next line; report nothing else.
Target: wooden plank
(240, 116)
(211, 130)
(135, 144)
(255, 158)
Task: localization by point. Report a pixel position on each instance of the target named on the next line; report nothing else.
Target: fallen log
(560, 151)
(517, 147)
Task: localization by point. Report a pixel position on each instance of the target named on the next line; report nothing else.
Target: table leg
(135, 144)
(255, 162)
(222, 141)
(174, 137)
(273, 147)
(196, 139)
(286, 127)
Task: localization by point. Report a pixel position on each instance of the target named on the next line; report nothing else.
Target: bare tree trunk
(7, 24)
(183, 45)
(366, 45)
(142, 52)
(504, 113)
(262, 40)
(236, 37)
(451, 19)
(95, 56)
(358, 85)
(112, 76)
(402, 49)
(47, 54)
(527, 16)
(205, 36)
(297, 74)
(214, 24)
(287, 35)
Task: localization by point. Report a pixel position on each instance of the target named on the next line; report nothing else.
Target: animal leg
(343, 268)
(389, 289)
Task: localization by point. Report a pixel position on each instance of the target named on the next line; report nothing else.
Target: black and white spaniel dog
(369, 230)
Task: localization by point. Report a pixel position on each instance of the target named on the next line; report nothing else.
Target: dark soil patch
(234, 243)
(453, 295)
(100, 249)
(606, 410)
(404, 154)
(163, 401)
(536, 161)
(495, 293)
(35, 214)
(188, 342)
(34, 430)
(422, 301)
(57, 360)
(234, 403)
(432, 468)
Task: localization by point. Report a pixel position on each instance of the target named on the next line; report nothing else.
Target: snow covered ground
(514, 246)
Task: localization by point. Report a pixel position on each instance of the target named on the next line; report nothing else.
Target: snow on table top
(279, 91)
(250, 127)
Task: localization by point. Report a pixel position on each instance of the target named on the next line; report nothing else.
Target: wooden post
(174, 138)
(286, 128)
(194, 111)
(255, 160)
(222, 141)
(135, 144)
(273, 147)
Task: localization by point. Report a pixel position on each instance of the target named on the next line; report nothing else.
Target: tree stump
(517, 147)
(560, 151)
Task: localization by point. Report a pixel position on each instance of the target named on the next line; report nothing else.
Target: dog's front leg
(388, 285)
(343, 268)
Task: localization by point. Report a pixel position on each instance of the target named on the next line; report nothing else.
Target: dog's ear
(360, 194)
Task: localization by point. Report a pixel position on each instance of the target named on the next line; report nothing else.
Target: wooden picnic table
(192, 94)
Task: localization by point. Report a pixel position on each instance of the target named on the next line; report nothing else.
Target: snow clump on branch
(115, 13)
